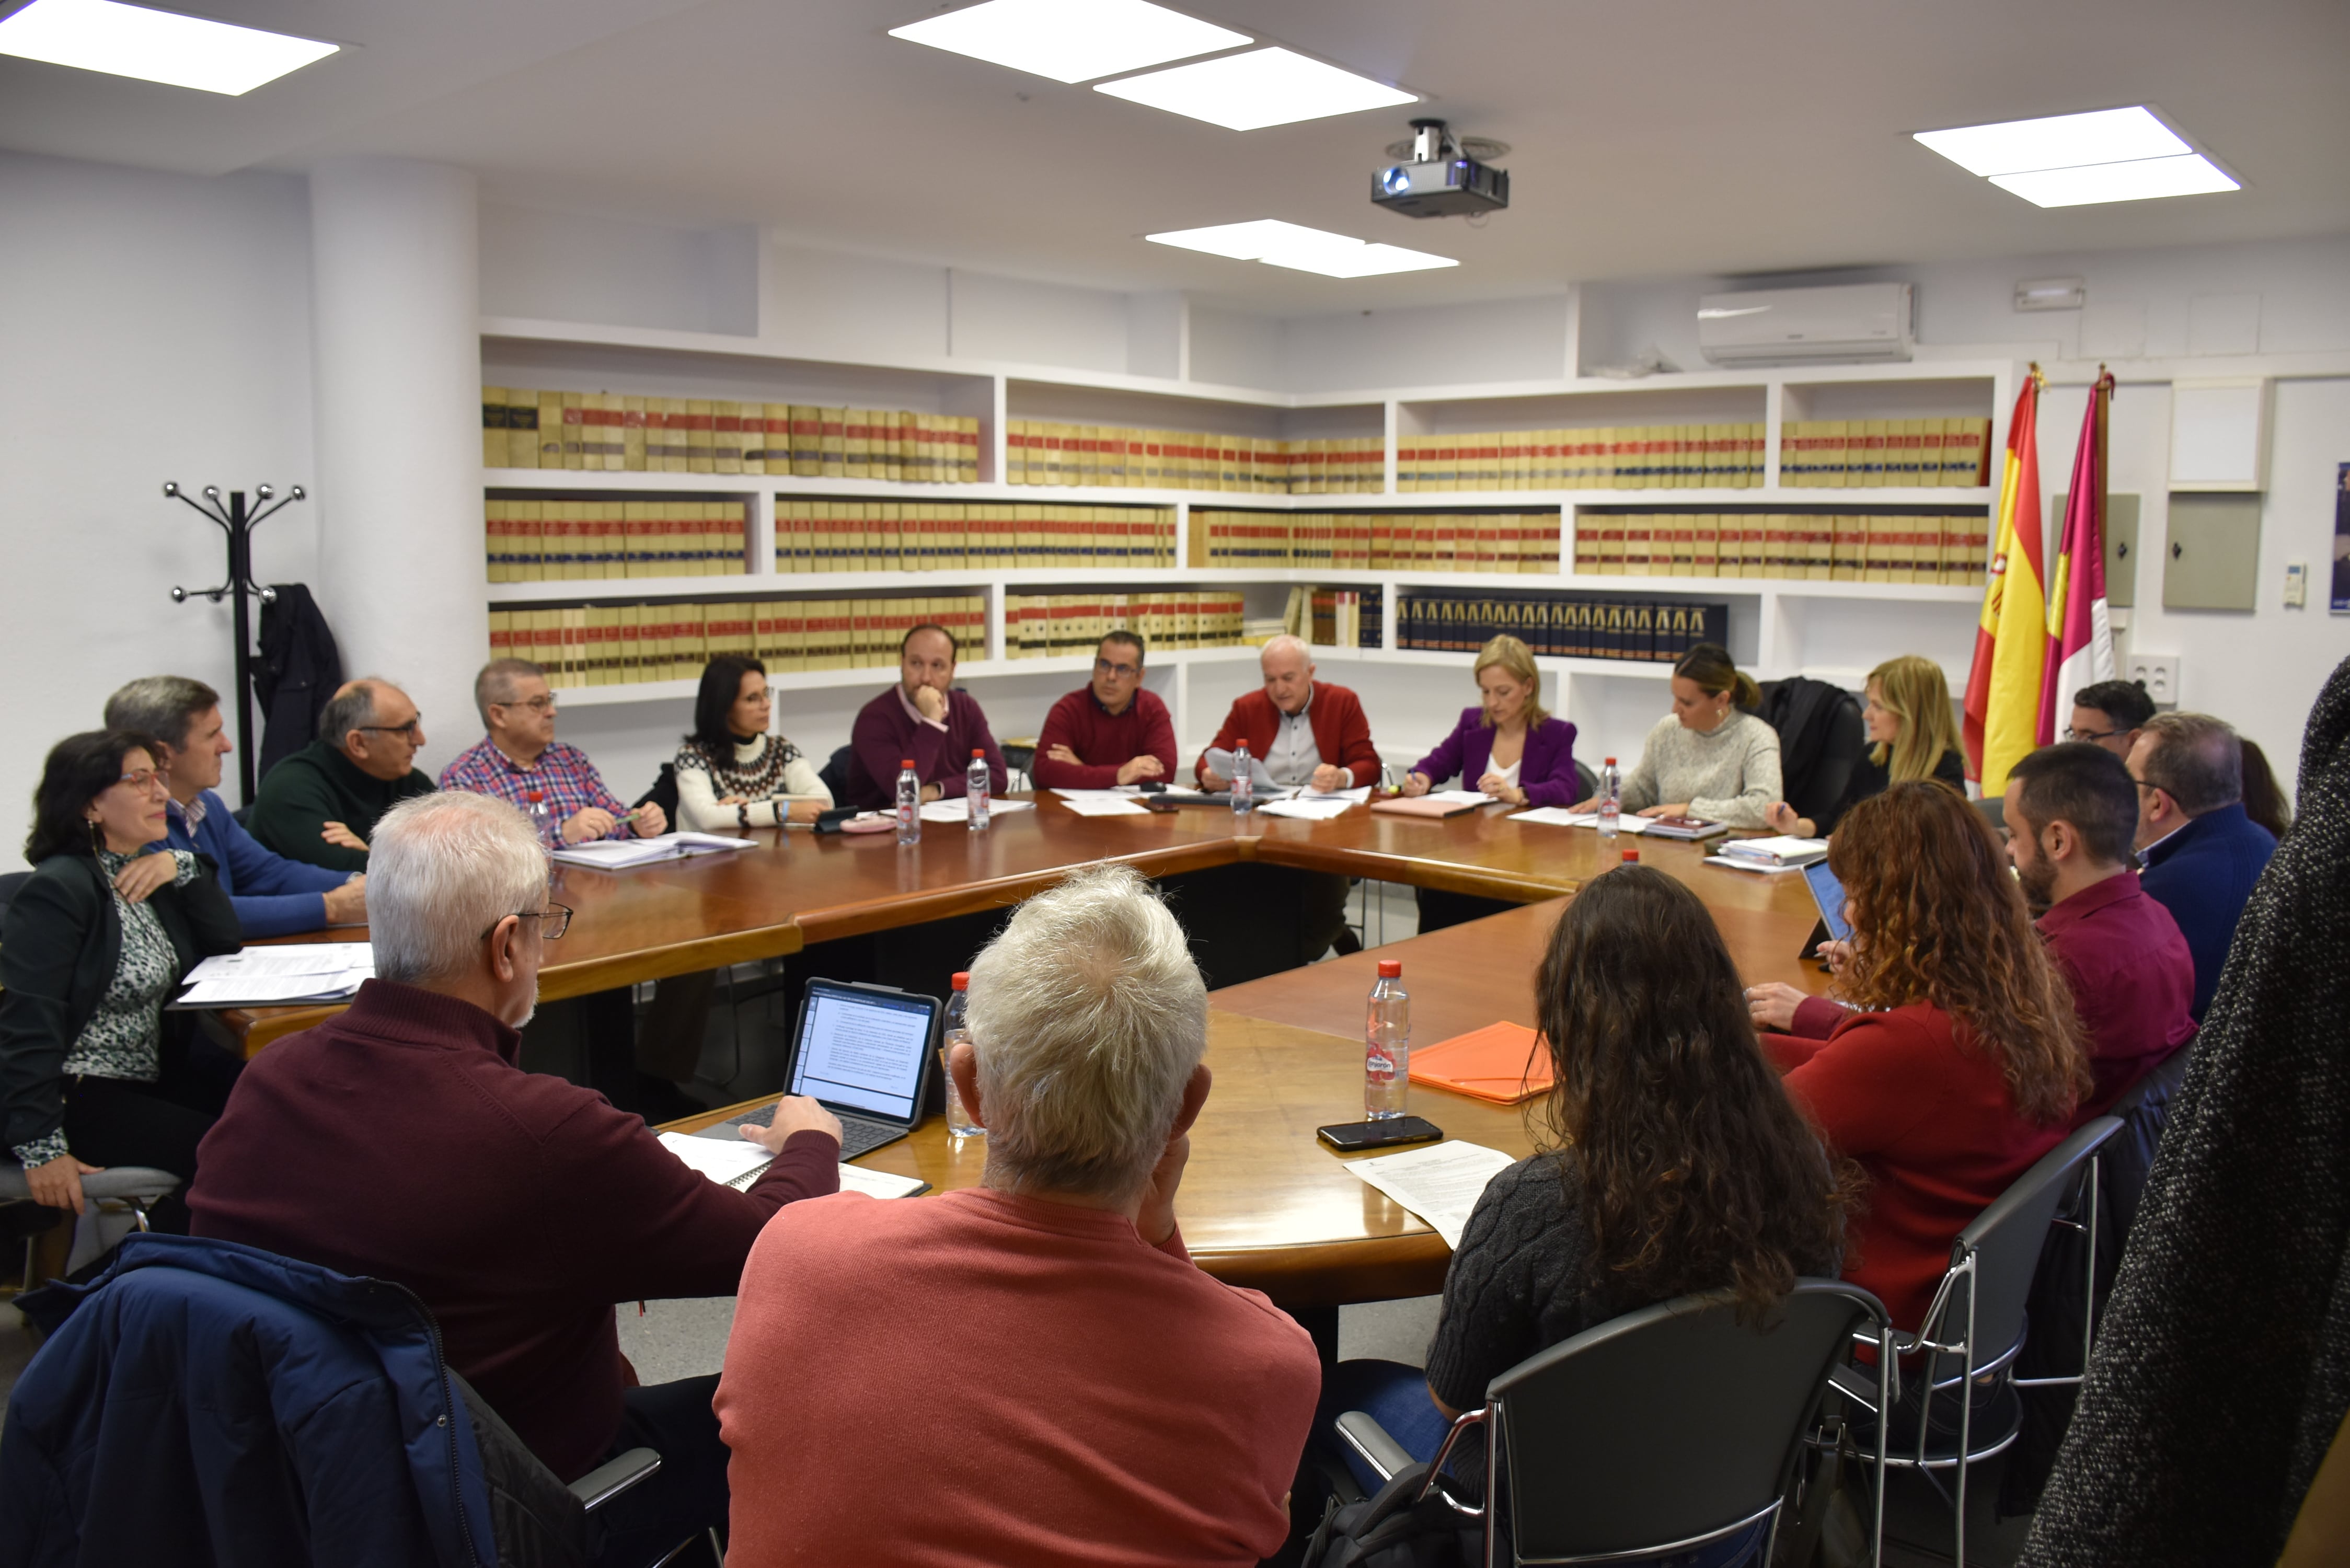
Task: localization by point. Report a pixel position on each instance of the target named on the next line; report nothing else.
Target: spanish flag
(2003, 705)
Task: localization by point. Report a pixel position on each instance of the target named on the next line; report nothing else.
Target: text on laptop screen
(1828, 893)
(864, 1051)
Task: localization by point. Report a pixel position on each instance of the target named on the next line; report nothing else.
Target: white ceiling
(1661, 136)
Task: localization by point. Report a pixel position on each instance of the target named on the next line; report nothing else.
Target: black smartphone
(1160, 803)
(1353, 1138)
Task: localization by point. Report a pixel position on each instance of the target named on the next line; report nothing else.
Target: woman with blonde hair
(1911, 735)
(1508, 744)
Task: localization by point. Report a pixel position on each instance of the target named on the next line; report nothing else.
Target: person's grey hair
(355, 709)
(496, 683)
(443, 869)
(163, 706)
(1089, 1016)
(1285, 642)
(2196, 760)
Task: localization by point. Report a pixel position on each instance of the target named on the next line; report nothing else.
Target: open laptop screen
(863, 1049)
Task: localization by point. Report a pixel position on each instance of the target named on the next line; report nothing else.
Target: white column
(395, 291)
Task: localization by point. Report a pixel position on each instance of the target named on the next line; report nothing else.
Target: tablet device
(1828, 894)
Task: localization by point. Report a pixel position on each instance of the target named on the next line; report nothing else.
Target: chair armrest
(609, 1480)
(1369, 1439)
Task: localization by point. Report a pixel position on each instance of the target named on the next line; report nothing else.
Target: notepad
(1502, 1062)
(1317, 808)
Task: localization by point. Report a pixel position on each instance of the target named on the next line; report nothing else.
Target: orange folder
(1502, 1062)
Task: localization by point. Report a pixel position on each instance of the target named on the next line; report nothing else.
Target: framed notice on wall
(2342, 540)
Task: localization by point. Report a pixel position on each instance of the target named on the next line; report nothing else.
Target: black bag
(1391, 1530)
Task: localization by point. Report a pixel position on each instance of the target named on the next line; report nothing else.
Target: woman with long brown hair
(1961, 1062)
(1671, 1161)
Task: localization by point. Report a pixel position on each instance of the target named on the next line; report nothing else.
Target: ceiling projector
(1442, 177)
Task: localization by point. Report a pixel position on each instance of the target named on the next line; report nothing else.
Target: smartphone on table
(1353, 1138)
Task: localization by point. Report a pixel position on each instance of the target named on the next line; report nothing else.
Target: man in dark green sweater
(321, 804)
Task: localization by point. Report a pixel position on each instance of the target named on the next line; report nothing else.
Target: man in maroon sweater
(400, 1140)
(924, 719)
(1113, 732)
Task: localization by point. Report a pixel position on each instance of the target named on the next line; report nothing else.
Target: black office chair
(663, 794)
(1017, 759)
(1666, 1430)
(834, 774)
(1820, 738)
(1586, 782)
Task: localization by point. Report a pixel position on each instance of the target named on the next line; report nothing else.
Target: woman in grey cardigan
(1709, 757)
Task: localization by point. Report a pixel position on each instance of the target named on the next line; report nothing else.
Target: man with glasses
(2201, 852)
(321, 804)
(2111, 714)
(1112, 733)
(401, 1140)
(521, 757)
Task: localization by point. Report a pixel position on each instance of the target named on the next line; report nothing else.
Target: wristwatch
(742, 812)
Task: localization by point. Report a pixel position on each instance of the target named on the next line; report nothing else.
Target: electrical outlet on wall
(2296, 584)
(2157, 672)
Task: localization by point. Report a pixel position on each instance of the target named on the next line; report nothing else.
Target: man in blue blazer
(2201, 853)
(274, 896)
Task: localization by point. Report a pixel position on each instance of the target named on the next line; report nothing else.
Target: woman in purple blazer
(1507, 746)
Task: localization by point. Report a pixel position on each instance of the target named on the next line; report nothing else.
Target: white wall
(152, 327)
(571, 266)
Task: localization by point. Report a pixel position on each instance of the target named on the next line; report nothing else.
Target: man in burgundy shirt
(401, 1140)
(1031, 1371)
(923, 717)
(1113, 732)
(2071, 814)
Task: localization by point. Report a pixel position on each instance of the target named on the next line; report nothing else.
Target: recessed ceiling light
(2141, 180)
(1072, 40)
(2059, 142)
(154, 45)
(1263, 87)
(1301, 249)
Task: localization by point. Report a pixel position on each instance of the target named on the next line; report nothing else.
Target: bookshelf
(1832, 630)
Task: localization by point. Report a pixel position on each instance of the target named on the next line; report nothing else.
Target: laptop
(866, 1052)
(1827, 893)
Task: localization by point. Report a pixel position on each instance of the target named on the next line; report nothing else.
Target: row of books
(1561, 626)
(1336, 617)
(1376, 541)
(1611, 457)
(617, 645)
(1860, 454)
(1819, 546)
(1039, 452)
(953, 536)
(1048, 626)
(557, 541)
(611, 433)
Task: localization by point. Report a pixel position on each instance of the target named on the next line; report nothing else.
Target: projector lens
(1395, 181)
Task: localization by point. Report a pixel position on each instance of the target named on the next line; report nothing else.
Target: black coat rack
(238, 523)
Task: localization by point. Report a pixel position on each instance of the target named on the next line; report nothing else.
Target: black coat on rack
(238, 523)
(300, 668)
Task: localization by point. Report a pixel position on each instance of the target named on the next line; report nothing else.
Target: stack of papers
(1100, 803)
(271, 976)
(1440, 1184)
(1309, 807)
(738, 1165)
(1780, 854)
(1559, 816)
(612, 854)
(959, 809)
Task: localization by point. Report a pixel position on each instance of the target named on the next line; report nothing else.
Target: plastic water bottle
(958, 1122)
(974, 786)
(909, 803)
(1243, 782)
(1611, 798)
(542, 820)
(1387, 1044)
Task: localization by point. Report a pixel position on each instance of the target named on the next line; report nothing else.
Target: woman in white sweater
(731, 774)
(1708, 758)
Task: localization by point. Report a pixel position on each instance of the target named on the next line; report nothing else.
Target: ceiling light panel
(1301, 249)
(1072, 40)
(2059, 142)
(1263, 87)
(154, 45)
(2142, 180)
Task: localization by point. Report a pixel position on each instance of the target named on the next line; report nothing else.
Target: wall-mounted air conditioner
(1858, 324)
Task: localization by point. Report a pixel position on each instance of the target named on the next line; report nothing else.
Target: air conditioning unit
(1854, 324)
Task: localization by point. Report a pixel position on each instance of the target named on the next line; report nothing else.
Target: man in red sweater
(1113, 732)
(2071, 814)
(401, 1140)
(1303, 731)
(1031, 1371)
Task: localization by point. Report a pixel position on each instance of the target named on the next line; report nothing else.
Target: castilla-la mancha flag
(2003, 705)
(2080, 633)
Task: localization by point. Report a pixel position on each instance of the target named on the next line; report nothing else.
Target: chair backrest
(1820, 741)
(1665, 1424)
(835, 775)
(1993, 808)
(1586, 782)
(2006, 1239)
(2144, 1110)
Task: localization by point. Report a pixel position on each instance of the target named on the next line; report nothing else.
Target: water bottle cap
(1631, 857)
(962, 981)
(905, 762)
(536, 796)
(977, 753)
(1611, 761)
(1390, 968)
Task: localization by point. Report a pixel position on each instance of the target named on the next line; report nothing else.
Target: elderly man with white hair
(1032, 1370)
(402, 1139)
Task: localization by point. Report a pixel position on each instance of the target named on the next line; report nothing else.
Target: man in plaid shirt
(521, 754)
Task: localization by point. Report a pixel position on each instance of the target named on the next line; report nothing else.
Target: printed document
(1440, 1184)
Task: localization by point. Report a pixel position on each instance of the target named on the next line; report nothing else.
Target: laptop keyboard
(856, 1136)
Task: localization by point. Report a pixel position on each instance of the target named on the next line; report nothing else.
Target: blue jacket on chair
(210, 1402)
(2203, 874)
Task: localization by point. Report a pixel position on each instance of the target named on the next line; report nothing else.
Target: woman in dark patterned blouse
(91, 1072)
(1674, 1164)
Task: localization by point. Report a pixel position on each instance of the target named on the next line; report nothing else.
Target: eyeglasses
(146, 781)
(542, 703)
(1123, 671)
(2091, 735)
(553, 920)
(413, 729)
